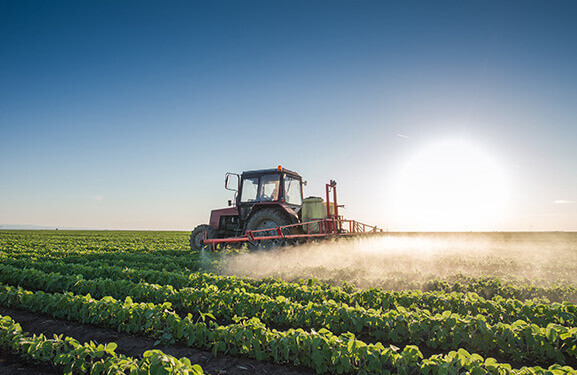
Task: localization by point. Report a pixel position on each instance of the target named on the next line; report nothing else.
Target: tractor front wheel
(197, 236)
(265, 219)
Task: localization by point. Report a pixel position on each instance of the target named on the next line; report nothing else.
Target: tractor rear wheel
(264, 219)
(197, 236)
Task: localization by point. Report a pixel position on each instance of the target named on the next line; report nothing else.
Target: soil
(131, 345)
(13, 364)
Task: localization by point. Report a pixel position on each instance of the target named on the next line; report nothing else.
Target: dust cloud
(408, 260)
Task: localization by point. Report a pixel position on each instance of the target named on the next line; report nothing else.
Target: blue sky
(126, 115)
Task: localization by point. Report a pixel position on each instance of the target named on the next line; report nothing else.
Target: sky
(445, 115)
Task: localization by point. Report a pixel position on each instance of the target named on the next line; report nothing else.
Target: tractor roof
(260, 172)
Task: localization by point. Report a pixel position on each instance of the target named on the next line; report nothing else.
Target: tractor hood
(215, 215)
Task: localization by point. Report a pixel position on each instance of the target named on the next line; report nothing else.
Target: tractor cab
(266, 188)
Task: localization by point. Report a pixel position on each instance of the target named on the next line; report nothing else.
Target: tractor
(269, 210)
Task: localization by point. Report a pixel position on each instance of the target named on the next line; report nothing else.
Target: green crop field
(109, 302)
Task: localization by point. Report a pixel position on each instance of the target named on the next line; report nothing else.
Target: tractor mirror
(231, 181)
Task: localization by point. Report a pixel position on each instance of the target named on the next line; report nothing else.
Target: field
(142, 302)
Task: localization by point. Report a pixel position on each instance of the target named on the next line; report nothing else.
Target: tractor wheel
(268, 218)
(196, 237)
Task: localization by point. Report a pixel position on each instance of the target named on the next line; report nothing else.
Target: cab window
(293, 191)
(249, 189)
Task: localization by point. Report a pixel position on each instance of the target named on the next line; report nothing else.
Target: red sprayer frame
(332, 226)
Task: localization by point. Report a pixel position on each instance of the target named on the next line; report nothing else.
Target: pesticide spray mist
(404, 260)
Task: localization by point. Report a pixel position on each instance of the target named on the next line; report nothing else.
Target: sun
(451, 185)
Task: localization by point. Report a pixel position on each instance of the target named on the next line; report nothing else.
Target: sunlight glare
(450, 186)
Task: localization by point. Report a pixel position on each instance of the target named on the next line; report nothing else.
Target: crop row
(147, 261)
(447, 331)
(496, 310)
(320, 350)
(75, 357)
(170, 261)
(72, 242)
(490, 287)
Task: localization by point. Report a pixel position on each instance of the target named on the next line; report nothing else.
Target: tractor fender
(291, 213)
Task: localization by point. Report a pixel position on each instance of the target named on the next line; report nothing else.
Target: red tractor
(269, 210)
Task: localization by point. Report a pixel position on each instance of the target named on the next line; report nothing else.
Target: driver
(270, 188)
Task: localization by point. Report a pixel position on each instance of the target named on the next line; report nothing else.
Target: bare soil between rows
(13, 364)
(128, 344)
